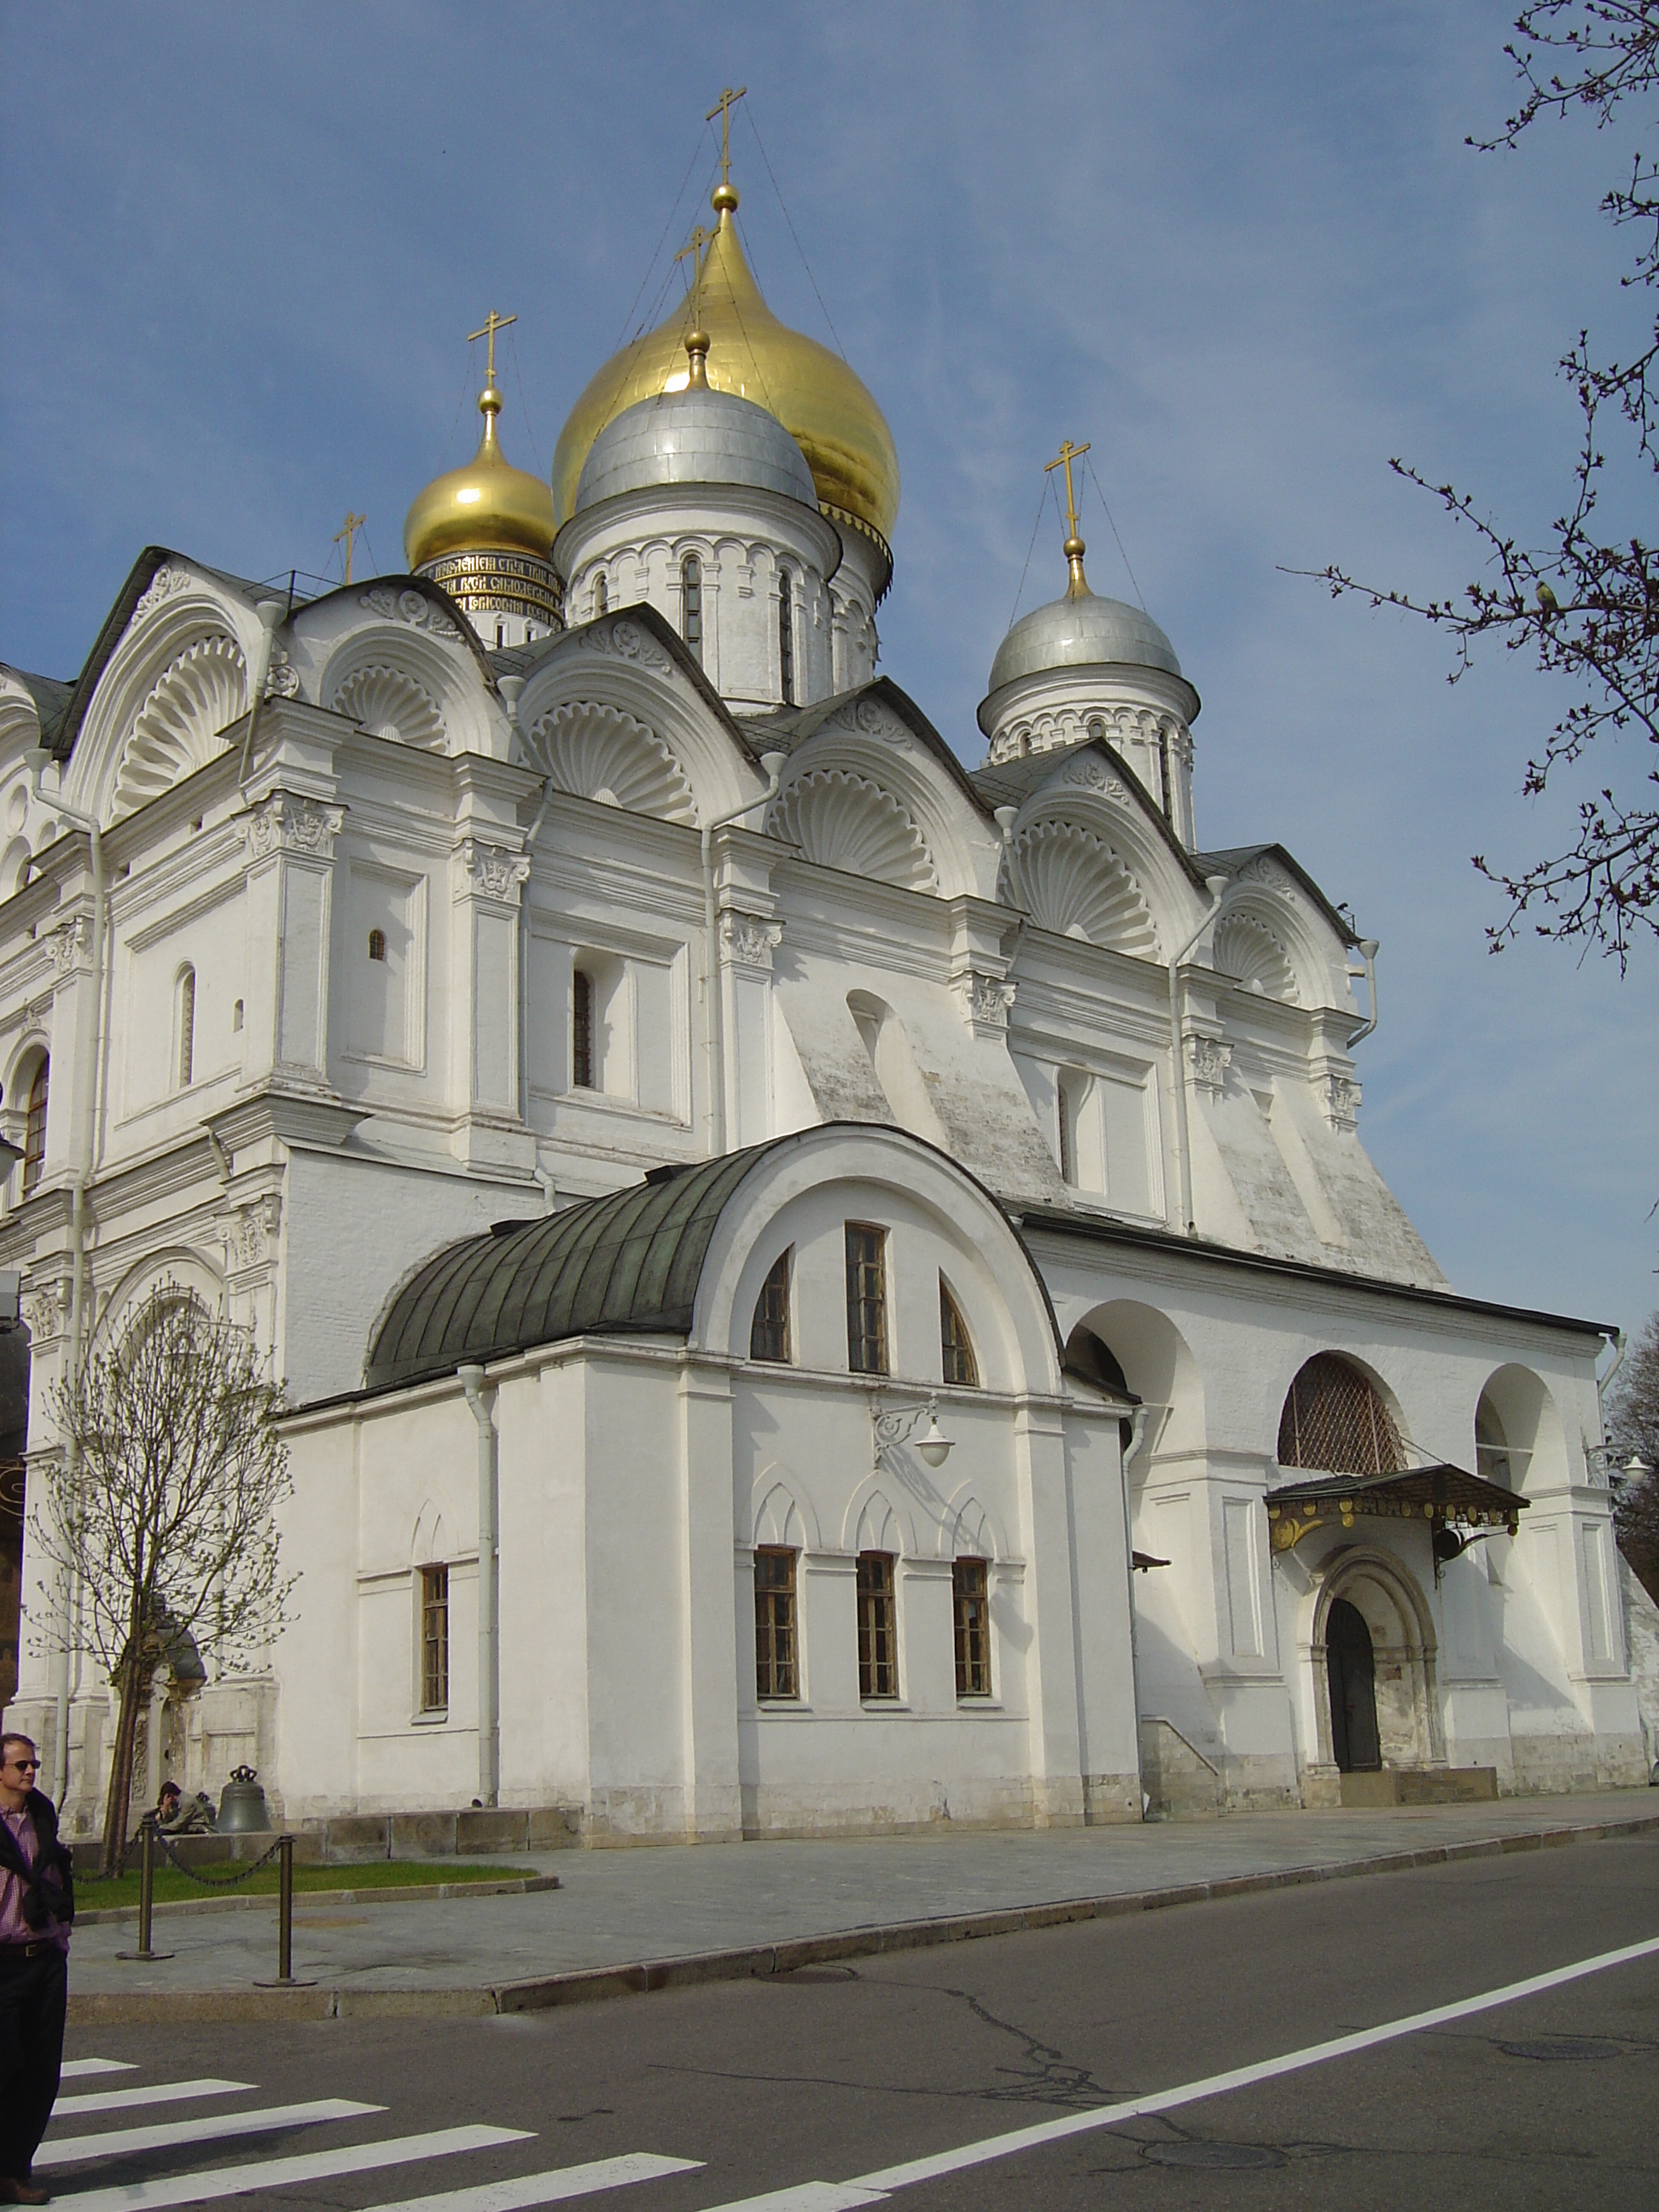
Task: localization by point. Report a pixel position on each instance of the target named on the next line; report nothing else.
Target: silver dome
(1084, 631)
(695, 437)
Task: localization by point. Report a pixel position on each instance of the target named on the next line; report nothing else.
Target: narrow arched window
(785, 638)
(35, 1127)
(956, 1360)
(601, 596)
(581, 1030)
(691, 604)
(186, 1026)
(1335, 1420)
(769, 1332)
(377, 944)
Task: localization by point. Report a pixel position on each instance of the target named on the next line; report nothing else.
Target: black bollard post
(146, 1893)
(285, 1910)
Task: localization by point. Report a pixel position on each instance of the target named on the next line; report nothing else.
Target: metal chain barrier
(282, 1850)
(213, 1881)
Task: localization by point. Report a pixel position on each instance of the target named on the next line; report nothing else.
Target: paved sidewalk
(653, 1918)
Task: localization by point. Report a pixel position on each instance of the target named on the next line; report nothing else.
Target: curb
(405, 1894)
(588, 1984)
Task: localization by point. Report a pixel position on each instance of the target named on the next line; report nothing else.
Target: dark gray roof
(1011, 783)
(626, 1264)
(49, 695)
(1081, 630)
(1235, 858)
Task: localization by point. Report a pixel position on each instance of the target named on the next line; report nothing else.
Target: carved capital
(985, 999)
(489, 871)
(46, 1309)
(71, 945)
(1341, 1102)
(284, 823)
(249, 1232)
(750, 939)
(1208, 1059)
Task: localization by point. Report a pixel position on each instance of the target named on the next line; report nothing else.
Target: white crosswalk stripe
(74, 2069)
(284, 2172)
(73, 2150)
(162, 2093)
(532, 2189)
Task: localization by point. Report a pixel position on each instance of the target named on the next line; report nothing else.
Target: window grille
(435, 1639)
(377, 944)
(786, 639)
(581, 1030)
(691, 604)
(878, 1636)
(35, 1127)
(1334, 1421)
(769, 1332)
(774, 1622)
(867, 1299)
(186, 1027)
(973, 1628)
(958, 1362)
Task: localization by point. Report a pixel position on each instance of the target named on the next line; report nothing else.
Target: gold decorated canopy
(812, 393)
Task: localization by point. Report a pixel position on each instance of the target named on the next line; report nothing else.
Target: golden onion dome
(812, 393)
(488, 505)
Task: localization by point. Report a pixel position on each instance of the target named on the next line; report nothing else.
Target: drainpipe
(1215, 885)
(87, 1048)
(1138, 1436)
(511, 688)
(1369, 949)
(714, 1041)
(489, 1640)
(272, 614)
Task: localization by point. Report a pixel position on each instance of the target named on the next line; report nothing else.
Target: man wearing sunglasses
(37, 1904)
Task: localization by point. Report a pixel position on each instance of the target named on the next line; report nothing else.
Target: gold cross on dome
(1064, 458)
(492, 323)
(723, 108)
(694, 246)
(347, 530)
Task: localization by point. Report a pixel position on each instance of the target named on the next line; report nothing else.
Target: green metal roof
(627, 1263)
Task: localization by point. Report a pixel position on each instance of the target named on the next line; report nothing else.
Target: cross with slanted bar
(347, 530)
(492, 323)
(723, 108)
(1064, 458)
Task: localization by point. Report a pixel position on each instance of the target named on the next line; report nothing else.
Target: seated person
(178, 1816)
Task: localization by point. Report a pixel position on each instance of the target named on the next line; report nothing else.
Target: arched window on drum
(1334, 1421)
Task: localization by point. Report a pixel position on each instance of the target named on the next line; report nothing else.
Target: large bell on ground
(242, 1804)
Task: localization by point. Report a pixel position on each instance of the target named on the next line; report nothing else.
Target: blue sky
(1244, 251)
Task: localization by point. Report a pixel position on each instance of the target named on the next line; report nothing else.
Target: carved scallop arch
(1078, 885)
(840, 819)
(867, 736)
(390, 703)
(1264, 928)
(399, 682)
(1253, 955)
(592, 750)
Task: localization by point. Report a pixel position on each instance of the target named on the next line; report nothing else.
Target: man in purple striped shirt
(37, 1903)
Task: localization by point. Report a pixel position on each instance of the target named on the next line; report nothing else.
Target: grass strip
(173, 1887)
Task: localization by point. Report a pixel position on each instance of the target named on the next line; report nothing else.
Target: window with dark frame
(186, 1027)
(769, 1332)
(34, 1126)
(867, 1299)
(785, 638)
(973, 1628)
(581, 1030)
(377, 944)
(776, 1674)
(877, 1626)
(691, 604)
(435, 1639)
(956, 1361)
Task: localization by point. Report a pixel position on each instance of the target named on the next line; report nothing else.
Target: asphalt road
(839, 2074)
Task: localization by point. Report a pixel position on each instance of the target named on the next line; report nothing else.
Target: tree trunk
(120, 1778)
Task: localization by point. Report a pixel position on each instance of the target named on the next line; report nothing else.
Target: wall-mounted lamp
(898, 1425)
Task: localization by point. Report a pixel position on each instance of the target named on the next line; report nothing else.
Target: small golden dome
(487, 505)
(813, 393)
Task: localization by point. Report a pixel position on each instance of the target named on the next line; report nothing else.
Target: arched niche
(594, 751)
(1156, 1363)
(417, 686)
(896, 1069)
(1405, 1654)
(180, 1268)
(1519, 1438)
(845, 820)
(1336, 1419)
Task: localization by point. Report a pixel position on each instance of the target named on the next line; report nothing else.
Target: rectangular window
(774, 1622)
(973, 1628)
(435, 1639)
(878, 1638)
(581, 1030)
(768, 1331)
(867, 1299)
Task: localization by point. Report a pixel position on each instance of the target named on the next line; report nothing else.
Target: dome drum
(495, 583)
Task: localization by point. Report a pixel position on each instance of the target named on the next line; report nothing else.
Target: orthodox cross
(352, 523)
(699, 239)
(1064, 458)
(492, 323)
(723, 108)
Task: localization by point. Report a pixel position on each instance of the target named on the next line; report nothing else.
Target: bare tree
(162, 1506)
(1585, 606)
(1632, 1414)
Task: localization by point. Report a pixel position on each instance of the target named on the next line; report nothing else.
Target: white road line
(532, 2189)
(283, 2172)
(73, 2150)
(163, 2093)
(1244, 2078)
(816, 2197)
(74, 2068)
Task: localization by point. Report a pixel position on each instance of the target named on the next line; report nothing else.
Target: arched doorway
(1351, 1673)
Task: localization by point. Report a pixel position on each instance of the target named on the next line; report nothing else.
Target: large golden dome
(488, 506)
(812, 393)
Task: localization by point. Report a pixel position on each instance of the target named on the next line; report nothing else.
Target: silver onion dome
(1081, 630)
(695, 436)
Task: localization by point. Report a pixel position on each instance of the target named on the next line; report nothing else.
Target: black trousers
(33, 1995)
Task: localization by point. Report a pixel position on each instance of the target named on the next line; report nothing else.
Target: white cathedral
(820, 1289)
